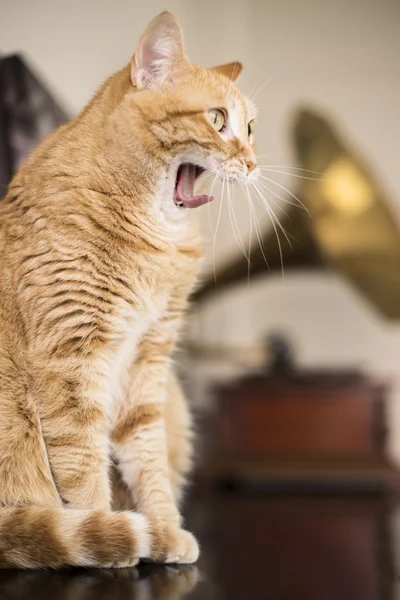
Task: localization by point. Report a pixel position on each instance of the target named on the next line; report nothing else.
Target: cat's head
(196, 117)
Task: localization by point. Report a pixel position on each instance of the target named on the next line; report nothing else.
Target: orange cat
(98, 259)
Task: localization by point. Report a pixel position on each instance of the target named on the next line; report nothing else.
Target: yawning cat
(98, 258)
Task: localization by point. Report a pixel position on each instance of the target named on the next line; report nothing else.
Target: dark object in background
(297, 488)
(28, 113)
(281, 354)
(312, 432)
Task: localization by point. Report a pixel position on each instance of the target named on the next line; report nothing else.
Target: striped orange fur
(97, 265)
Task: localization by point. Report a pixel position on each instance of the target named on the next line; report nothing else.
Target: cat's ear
(231, 70)
(159, 55)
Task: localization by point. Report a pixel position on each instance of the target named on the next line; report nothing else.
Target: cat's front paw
(182, 547)
(173, 545)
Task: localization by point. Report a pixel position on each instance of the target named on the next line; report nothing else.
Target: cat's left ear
(160, 55)
(231, 70)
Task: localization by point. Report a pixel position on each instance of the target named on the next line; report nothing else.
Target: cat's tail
(34, 537)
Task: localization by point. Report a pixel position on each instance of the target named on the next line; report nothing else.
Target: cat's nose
(251, 165)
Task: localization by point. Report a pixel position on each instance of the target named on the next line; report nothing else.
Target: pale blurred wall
(341, 56)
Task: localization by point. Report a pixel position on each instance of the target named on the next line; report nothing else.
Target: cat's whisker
(274, 222)
(282, 187)
(253, 96)
(209, 175)
(268, 191)
(204, 180)
(257, 227)
(250, 243)
(277, 221)
(292, 168)
(255, 86)
(280, 172)
(234, 223)
(273, 214)
(297, 204)
(216, 228)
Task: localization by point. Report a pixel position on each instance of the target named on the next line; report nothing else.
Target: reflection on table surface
(148, 582)
(253, 548)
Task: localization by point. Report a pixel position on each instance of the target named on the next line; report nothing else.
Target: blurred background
(304, 354)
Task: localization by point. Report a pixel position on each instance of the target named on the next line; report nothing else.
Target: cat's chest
(132, 324)
(154, 291)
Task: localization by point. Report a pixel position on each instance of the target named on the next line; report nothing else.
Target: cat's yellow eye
(216, 118)
(250, 128)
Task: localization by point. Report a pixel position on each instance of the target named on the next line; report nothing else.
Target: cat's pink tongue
(185, 189)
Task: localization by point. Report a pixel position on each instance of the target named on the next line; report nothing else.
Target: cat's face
(199, 115)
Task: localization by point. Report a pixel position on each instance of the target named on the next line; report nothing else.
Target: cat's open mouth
(184, 187)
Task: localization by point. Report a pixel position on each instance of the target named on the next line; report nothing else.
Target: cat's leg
(74, 427)
(25, 473)
(178, 424)
(140, 447)
(37, 531)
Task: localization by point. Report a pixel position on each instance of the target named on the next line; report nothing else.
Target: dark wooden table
(253, 548)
